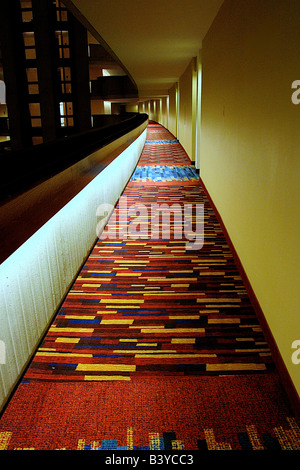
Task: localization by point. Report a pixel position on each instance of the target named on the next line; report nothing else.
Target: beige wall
(250, 143)
(97, 107)
(152, 107)
(132, 108)
(144, 107)
(198, 92)
(164, 111)
(187, 109)
(173, 110)
(158, 110)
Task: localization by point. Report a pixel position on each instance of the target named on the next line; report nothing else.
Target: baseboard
(287, 382)
(196, 169)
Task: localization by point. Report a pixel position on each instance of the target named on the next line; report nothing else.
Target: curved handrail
(21, 170)
(53, 174)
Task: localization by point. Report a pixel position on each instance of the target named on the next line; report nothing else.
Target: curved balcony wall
(61, 211)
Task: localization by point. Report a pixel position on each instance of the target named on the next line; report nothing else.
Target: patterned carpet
(156, 345)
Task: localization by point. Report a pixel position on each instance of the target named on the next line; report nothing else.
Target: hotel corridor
(156, 345)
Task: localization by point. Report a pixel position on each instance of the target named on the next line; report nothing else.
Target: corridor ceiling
(154, 40)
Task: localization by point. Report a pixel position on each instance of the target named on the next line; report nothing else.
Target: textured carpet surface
(207, 413)
(156, 345)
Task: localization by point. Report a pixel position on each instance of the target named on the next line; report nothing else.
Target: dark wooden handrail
(38, 182)
(23, 169)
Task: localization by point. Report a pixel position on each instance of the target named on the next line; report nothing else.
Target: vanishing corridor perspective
(155, 346)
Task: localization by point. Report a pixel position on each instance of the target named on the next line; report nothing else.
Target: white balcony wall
(35, 278)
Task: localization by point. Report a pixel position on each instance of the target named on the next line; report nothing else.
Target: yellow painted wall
(152, 110)
(164, 112)
(250, 151)
(107, 107)
(158, 110)
(155, 110)
(97, 107)
(144, 108)
(132, 108)
(173, 110)
(187, 109)
(198, 92)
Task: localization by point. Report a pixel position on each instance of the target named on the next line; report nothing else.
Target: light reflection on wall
(37, 276)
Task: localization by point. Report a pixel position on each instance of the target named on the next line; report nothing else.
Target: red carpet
(209, 413)
(156, 346)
